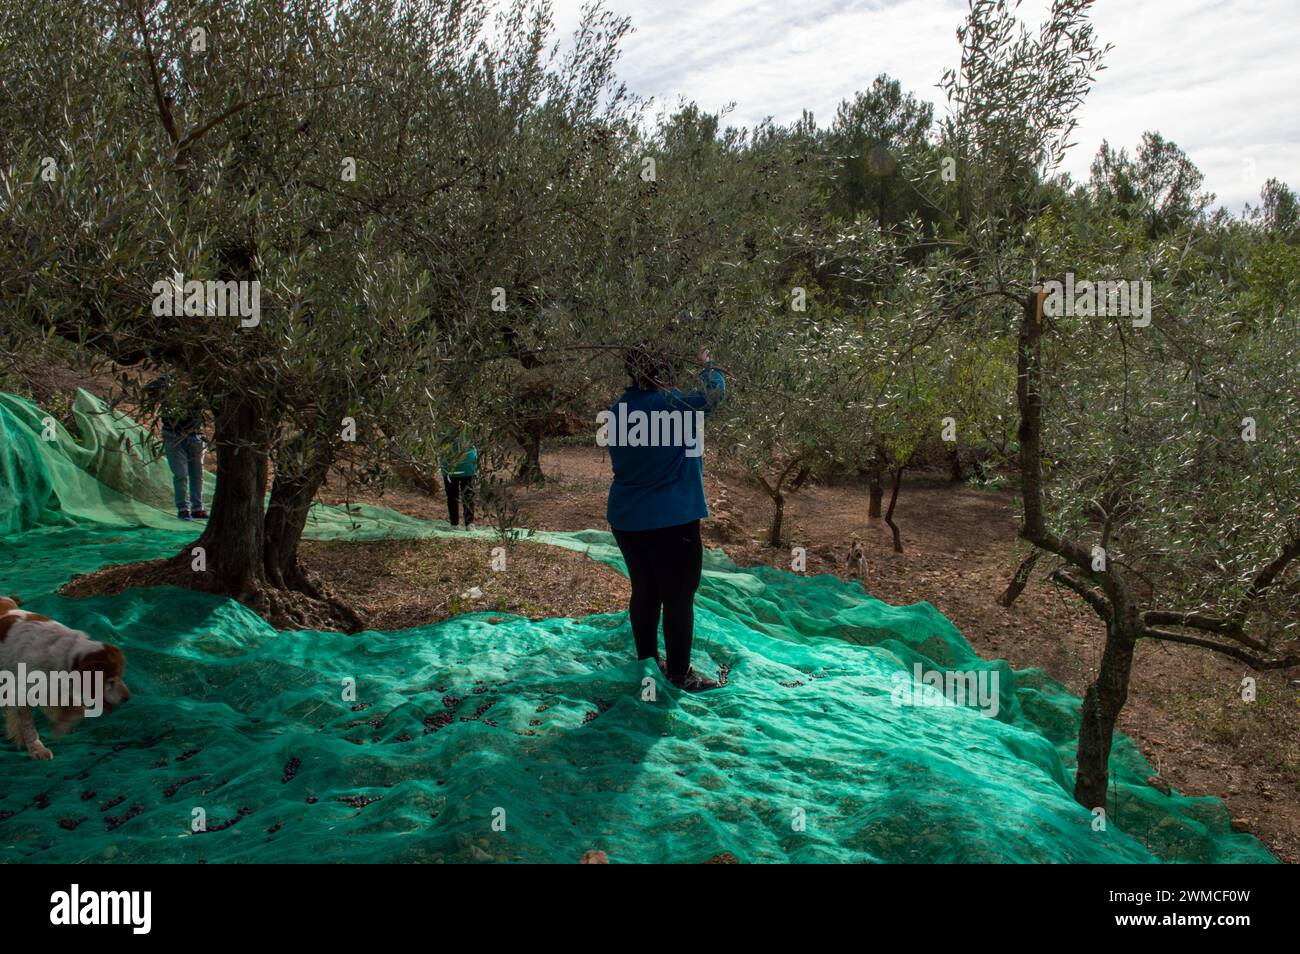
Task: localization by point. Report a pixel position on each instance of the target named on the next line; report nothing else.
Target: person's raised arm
(713, 390)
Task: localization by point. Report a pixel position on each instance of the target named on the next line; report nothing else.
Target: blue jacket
(659, 486)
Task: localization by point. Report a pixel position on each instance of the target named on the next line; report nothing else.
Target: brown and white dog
(40, 645)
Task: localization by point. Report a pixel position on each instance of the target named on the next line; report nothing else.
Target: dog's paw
(40, 753)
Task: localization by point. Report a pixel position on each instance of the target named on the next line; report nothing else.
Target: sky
(1218, 77)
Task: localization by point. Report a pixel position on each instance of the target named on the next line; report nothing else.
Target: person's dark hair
(646, 368)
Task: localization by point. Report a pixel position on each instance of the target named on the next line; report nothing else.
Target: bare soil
(399, 584)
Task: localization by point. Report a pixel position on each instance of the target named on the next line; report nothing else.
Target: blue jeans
(185, 458)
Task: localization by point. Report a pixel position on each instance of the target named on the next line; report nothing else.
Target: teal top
(459, 457)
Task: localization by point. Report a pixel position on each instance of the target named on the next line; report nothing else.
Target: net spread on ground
(492, 737)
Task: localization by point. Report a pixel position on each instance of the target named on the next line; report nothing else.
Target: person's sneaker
(693, 682)
(199, 514)
(184, 515)
(469, 528)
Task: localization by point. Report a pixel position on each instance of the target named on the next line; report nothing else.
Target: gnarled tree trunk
(877, 491)
(777, 493)
(529, 470)
(1102, 703)
(778, 517)
(305, 463)
(1105, 590)
(233, 539)
(889, 514)
(292, 493)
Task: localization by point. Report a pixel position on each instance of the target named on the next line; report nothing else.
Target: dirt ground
(398, 584)
(1184, 710)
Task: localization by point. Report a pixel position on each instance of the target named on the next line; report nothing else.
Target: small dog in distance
(857, 559)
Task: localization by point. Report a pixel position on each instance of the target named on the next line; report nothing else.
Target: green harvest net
(514, 740)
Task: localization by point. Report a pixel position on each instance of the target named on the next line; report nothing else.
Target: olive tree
(1156, 443)
(301, 151)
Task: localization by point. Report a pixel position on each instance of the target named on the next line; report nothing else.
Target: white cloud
(1218, 78)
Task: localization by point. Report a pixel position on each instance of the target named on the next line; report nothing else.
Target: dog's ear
(8, 603)
(106, 659)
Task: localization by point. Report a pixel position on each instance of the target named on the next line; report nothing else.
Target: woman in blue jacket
(656, 502)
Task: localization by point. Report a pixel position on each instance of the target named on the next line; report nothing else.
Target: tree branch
(1250, 659)
(1090, 594)
(1267, 575)
(164, 109)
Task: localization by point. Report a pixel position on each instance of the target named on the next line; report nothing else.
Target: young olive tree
(1157, 450)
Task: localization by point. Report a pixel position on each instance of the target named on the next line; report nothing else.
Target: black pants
(664, 566)
(459, 490)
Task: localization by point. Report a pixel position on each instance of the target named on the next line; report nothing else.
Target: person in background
(182, 433)
(458, 461)
(656, 503)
